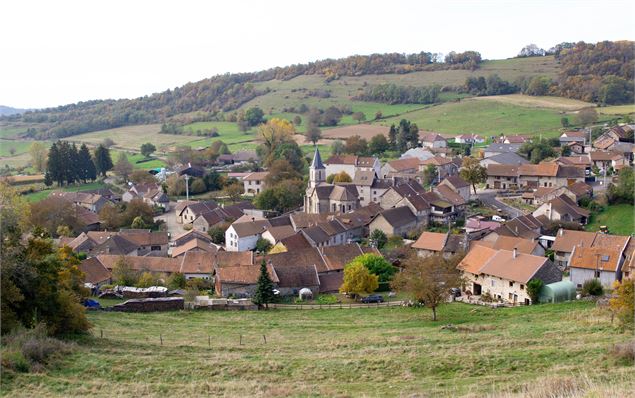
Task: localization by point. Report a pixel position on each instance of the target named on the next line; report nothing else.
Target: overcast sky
(59, 52)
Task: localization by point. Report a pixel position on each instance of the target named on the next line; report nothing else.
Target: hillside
(340, 352)
(8, 111)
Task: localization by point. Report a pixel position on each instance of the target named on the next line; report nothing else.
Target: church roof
(317, 160)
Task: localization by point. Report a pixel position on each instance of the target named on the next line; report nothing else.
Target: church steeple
(317, 171)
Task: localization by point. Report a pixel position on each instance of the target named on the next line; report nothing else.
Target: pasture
(546, 102)
(339, 352)
(619, 218)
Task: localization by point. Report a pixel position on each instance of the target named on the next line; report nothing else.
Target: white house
(351, 164)
(254, 183)
(242, 236)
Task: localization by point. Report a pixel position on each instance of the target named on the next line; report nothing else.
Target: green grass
(134, 157)
(20, 147)
(362, 352)
(41, 195)
(485, 116)
(11, 132)
(619, 218)
(617, 110)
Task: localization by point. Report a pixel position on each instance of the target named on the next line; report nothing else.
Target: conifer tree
(86, 166)
(103, 161)
(53, 166)
(264, 290)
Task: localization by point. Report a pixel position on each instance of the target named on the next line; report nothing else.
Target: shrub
(625, 352)
(27, 350)
(592, 287)
(176, 281)
(326, 299)
(533, 289)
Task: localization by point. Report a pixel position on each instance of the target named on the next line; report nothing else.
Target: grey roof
(503, 147)
(364, 177)
(508, 158)
(399, 216)
(317, 160)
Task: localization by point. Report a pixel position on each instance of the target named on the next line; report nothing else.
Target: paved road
(174, 228)
(489, 199)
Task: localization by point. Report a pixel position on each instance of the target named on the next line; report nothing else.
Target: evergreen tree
(264, 290)
(86, 166)
(392, 137)
(403, 135)
(103, 161)
(73, 164)
(48, 181)
(413, 136)
(54, 166)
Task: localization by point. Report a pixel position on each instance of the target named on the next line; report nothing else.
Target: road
(489, 199)
(174, 228)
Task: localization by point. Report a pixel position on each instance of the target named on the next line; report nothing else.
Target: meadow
(41, 195)
(339, 352)
(620, 219)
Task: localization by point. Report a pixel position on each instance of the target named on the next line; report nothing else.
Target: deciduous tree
(473, 172)
(358, 280)
(148, 149)
(123, 167)
(38, 152)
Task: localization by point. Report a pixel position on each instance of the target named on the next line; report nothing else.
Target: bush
(27, 350)
(326, 299)
(592, 287)
(625, 352)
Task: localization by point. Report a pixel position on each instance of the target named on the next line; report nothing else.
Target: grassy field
(557, 103)
(131, 137)
(486, 116)
(619, 218)
(37, 196)
(617, 110)
(360, 352)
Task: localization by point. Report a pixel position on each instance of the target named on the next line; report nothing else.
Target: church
(321, 197)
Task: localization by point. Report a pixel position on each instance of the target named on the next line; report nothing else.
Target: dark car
(373, 298)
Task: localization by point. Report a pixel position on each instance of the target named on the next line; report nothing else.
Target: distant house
(124, 243)
(497, 149)
(564, 209)
(566, 240)
(192, 210)
(445, 166)
(219, 216)
(548, 174)
(605, 160)
(291, 279)
(515, 139)
(504, 274)
(89, 201)
(190, 170)
(527, 227)
(469, 139)
(397, 221)
(576, 148)
(370, 188)
(583, 162)
(507, 159)
(447, 244)
(569, 137)
(254, 183)
(501, 177)
(151, 194)
(276, 234)
(419, 153)
(94, 272)
(244, 156)
(526, 246)
(401, 166)
(586, 263)
(351, 164)
(432, 140)
(458, 185)
(242, 236)
(241, 280)
(195, 245)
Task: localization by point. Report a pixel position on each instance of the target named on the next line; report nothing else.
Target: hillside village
(310, 246)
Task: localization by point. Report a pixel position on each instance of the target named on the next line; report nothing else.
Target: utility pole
(187, 188)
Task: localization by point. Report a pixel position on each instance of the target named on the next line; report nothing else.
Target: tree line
(66, 164)
(393, 94)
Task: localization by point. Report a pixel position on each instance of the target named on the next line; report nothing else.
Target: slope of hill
(8, 111)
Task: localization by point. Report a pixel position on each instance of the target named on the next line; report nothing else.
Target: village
(524, 222)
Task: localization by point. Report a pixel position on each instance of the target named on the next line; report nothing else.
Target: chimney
(515, 253)
(561, 232)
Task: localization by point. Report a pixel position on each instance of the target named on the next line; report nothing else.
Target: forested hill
(599, 72)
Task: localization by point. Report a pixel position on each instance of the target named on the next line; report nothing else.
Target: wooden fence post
(209, 341)
(161, 337)
(264, 338)
(241, 339)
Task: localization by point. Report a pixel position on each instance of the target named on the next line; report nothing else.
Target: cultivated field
(366, 131)
(551, 349)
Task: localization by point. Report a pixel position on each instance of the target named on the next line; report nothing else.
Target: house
(575, 192)
(321, 197)
(576, 148)
(566, 240)
(370, 188)
(418, 153)
(195, 245)
(242, 236)
(504, 274)
(583, 162)
(497, 149)
(149, 243)
(501, 177)
(245, 156)
(88, 201)
(329, 233)
(95, 273)
(586, 263)
(527, 227)
(526, 246)
(190, 235)
(578, 137)
(432, 140)
(190, 170)
(254, 183)
(469, 139)
(507, 159)
(192, 210)
(276, 234)
(220, 216)
(445, 166)
(605, 160)
(514, 139)
(562, 208)
(301, 276)
(150, 193)
(351, 164)
(106, 193)
(240, 280)
(396, 221)
(397, 192)
(408, 166)
(548, 174)
(447, 244)
(293, 242)
(458, 185)
(479, 223)
(124, 243)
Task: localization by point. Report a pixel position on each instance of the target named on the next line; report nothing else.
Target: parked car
(373, 298)
(498, 218)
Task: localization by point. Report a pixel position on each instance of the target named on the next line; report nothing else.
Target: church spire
(317, 160)
(317, 171)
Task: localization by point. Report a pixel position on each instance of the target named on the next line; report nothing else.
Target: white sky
(59, 52)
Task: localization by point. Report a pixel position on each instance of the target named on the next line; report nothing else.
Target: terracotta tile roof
(189, 235)
(456, 181)
(228, 259)
(580, 134)
(430, 137)
(437, 161)
(433, 241)
(295, 242)
(564, 205)
(182, 204)
(566, 239)
(197, 208)
(194, 244)
(281, 232)
(613, 242)
(336, 257)
(600, 258)
(502, 170)
(197, 263)
(364, 178)
(143, 238)
(331, 282)
(449, 195)
(94, 271)
(526, 246)
(250, 228)
(351, 160)
(152, 264)
(297, 276)
(605, 156)
(300, 256)
(538, 170)
(409, 188)
(256, 176)
(575, 160)
(520, 269)
(570, 172)
(404, 164)
(360, 217)
(476, 259)
(398, 216)
(304, 220)
(580, 189)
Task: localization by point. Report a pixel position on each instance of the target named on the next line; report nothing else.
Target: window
(493, 283)
(597, 274)
(511, 296)
(522, 287)
(155, 248)
(511, 284)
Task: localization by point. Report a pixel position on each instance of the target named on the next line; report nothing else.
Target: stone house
(254, 183)
(432, 140)
(351, 164)
(397, 221)
(562, 208)
(458, 185)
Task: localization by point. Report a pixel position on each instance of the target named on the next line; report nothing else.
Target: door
(477, 289)
(497, 185)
